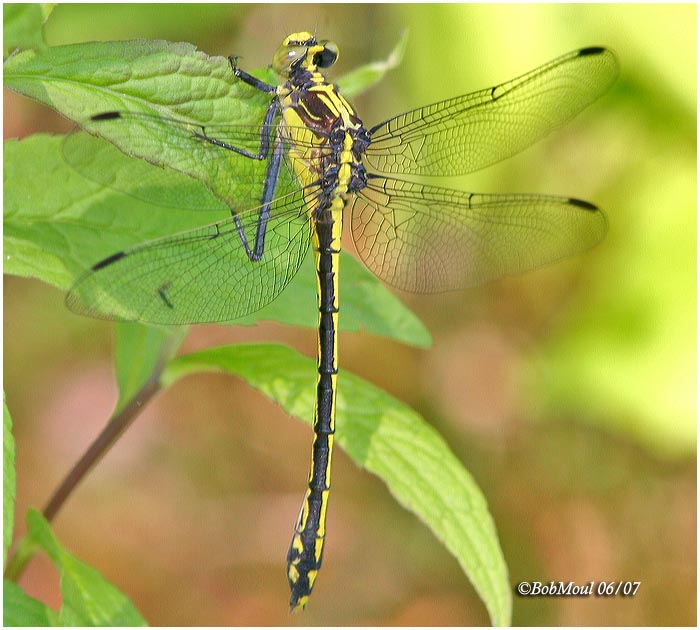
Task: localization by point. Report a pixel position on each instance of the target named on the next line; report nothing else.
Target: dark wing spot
(164, 297)
(108, 261)
(579, 203)
(592, 50)
(106, 116)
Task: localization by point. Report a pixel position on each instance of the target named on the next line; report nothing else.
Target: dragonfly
(322, 166)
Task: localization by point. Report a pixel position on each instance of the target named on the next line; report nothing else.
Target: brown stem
(115, 427)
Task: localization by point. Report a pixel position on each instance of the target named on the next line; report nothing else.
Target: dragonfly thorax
(343, 165)
(327, 138)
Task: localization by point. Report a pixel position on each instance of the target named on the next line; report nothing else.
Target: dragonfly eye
(328, 56)
(286, 57)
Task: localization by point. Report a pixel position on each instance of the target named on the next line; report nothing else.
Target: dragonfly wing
(426, 239)
(467, 133)
(179, 148)
(102, 162)
(202, 275)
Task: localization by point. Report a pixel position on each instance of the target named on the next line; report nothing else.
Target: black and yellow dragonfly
(322, 164)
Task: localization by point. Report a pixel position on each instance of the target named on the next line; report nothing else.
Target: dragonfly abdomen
(306, 550)
(331, 170)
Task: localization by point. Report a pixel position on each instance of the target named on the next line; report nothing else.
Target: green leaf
(21, 610)
(88, 599)
(167, 79)
(57, 223)
(140, 354)
(390, 440)
(80, 80)
(174, 80)
(9, 480)
(364, 77)
(22, 26)
(54, 232)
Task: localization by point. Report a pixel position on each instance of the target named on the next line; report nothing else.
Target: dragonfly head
(301, 50)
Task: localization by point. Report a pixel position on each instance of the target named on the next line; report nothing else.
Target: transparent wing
(470, 132)
(100, 161)
(426, 239)
(199, 151)
(202, 275)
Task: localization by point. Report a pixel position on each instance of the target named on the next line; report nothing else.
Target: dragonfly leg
(264, 149)
(269, 187)
(249, 78)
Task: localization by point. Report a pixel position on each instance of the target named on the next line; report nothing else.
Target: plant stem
(95, 452)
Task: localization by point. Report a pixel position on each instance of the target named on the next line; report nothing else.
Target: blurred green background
(569, 393)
